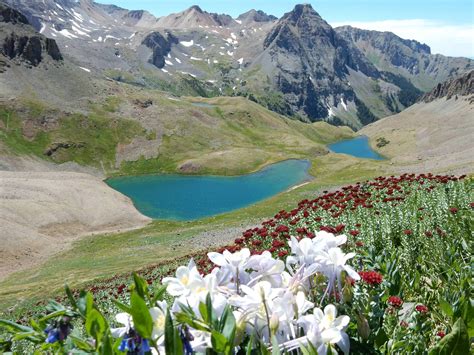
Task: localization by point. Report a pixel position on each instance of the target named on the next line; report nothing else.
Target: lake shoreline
(177, 197)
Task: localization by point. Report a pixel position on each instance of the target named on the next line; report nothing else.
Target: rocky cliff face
(19, 41)
(8, 15)
(310, 63)
(195, 17)
(297, 65)
(461, 86)
(160, 45)
(411, 59)
(397, 51)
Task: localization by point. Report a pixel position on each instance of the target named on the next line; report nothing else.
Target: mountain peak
(195, 8)
(256, 16)
(303, 12)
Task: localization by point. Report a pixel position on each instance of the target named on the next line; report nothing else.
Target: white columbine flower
(325, 241)
(235, 263)
(158, 314)
(302, 252)
(333, 263)
(266, 268)
(126, 320)
(185, 280)
(331, 324)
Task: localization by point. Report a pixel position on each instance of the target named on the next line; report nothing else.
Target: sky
(447, 26)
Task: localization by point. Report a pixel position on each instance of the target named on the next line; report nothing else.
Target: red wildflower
(407, 232)
(282, 253)
(395, 301)
(340, 228)
(256, 242)
(359, 243)
(472, 204)
(422, 308)
(428, 234)
(453, 210)
(372, 278)
(354, 233)
(441, 334)
(278, 244)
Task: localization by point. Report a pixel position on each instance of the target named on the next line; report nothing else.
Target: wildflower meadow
(378, 267)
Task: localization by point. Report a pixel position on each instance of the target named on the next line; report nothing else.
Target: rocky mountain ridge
(461, 86)
(297, 65)
(19, 41)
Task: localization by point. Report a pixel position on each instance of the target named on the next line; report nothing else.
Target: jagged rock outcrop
(461, 86)
(160, 45)
(18, 40)
(298, 65)
(399, 52)
(51, 150)
(194, 17)
(8, 15)
(310, 63)
(255, 16)
(409, 58)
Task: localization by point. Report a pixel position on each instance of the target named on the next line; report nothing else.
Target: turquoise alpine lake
(185, 197)
(358, 147)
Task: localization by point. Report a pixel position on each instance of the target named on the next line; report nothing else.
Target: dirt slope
(435, 136)
(42, 213)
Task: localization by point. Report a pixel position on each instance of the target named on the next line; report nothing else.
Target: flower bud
(347, 293)
(363, 327)
(240, 327)
(274, 323)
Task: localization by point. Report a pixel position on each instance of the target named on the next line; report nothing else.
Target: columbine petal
(330, 312)
(344, 343)
(123, 318)
(341, 322)
(217, 258)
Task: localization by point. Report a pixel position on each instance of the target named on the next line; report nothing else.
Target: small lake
(358, 147)
(184, 197)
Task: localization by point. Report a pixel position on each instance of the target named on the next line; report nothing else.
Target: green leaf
(275, 346)
(82, 303)
(212, 321)
(31, 336)
(13, 327)
(446, 308)
(218, 341)
(70, 296)
(381, 337)
(142, 320)
(203, 311)
(309, 350)
(107, 345)
(228, 324)
(250, 343)
(454, 343)
(192, 321)
(158, 294)
(141, 286)
(96, 324)
(173, 343)
(122, 306)
(81, 344)
(53, 315)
